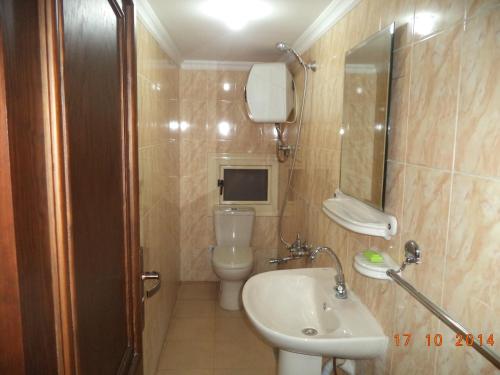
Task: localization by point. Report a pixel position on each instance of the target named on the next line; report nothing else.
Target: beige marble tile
(191, 329)
(193, 84)
(220, 313)
(472, 253)
(193, 118)
(187, 355)
(265, 232)
(433, 98)
(243, 372)
(411, 317)
(185, 372)
(426, 205)
(478, 137)
(402, 13)
(243, 354)
(159, 186)
(235, 329)
(194, 309)
(470, 290)
(477, 7)
(432, 16)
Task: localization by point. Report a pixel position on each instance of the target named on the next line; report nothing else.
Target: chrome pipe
(442, 315)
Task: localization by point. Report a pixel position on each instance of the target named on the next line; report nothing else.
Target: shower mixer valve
(298, 249)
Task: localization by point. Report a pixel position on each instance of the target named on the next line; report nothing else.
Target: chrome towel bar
(489, 354)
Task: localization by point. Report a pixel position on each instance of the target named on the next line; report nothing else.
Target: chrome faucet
(297, 250)
(340, 288)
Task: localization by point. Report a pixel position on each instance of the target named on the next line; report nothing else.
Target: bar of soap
(373, 256)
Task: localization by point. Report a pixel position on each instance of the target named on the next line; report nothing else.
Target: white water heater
(269, 93)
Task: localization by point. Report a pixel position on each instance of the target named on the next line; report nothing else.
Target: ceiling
(198, 36)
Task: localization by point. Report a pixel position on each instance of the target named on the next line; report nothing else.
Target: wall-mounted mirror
(365, 118)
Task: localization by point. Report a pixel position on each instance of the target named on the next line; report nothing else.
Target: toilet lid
(233, 257)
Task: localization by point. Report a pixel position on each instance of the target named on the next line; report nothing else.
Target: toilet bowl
(232, 265)
(232, 258)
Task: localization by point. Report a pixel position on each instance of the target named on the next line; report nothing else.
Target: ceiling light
(236, 14)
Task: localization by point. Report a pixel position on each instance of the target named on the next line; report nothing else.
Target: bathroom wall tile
(418, 196)
(465, 359)
(433, 97)
(369, 11)
(401, 62)
(432, 16)
(402, 13)
(478, 137)
(201, 265)
(229, 85)
(477, 7)
(193, 84)
(262, 257)
(195, 160)
(470, 291)
(429, 189)
(265, 232)
(197, 291)
(158, 186)
(193, 116)
(411, 317)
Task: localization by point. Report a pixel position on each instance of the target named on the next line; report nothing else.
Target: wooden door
(70, 276)
(96, 107)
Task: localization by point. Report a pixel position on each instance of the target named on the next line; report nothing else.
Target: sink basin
(297, 311)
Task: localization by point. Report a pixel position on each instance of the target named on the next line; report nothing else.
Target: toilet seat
(232, 257)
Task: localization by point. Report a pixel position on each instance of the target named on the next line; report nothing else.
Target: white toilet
(232, 258)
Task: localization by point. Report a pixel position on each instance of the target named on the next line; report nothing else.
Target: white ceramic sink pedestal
(281, 304)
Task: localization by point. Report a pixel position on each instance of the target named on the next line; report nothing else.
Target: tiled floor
(204, 339)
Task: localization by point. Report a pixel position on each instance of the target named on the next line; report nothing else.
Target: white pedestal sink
(297, 311)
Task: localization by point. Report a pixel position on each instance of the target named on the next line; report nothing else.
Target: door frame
(51, 32)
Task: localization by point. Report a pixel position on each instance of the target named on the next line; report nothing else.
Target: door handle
(153, 275)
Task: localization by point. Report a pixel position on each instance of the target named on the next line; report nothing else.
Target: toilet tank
(233, 225)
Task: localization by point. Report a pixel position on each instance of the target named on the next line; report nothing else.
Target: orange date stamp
(436, 339)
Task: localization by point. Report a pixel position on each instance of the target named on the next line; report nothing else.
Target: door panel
(95, 137)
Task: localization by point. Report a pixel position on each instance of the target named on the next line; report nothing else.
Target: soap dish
(374, 270)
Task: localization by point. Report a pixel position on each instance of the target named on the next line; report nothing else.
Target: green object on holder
(373, 256)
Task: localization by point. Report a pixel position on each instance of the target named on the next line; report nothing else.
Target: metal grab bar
(489, 354)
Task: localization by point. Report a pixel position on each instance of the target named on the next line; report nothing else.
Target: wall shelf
(359, 217)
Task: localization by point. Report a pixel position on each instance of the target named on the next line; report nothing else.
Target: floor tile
(187, 355)
(227, 329)
(185, 372)
(194, 309)
(191, 329)
(244, 372)
(221, 313)
(247, 354)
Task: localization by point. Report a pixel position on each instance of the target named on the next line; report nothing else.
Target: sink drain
(309, 332)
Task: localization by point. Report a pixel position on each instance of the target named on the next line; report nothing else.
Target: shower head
(283, 47)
